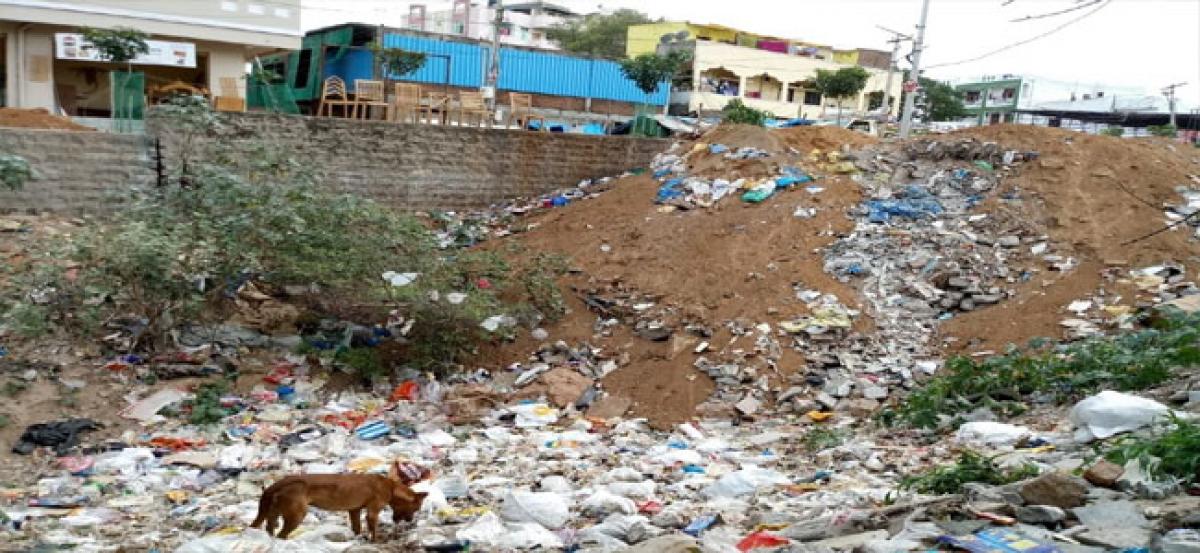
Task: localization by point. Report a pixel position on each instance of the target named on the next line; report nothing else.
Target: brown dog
(289, 499)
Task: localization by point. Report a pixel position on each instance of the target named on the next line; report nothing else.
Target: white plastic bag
(545, 508)
(1109, 413)
(533, 415)
(744, 482)
(485, 531)
(604, 502)
(991, 433)
(639, 490)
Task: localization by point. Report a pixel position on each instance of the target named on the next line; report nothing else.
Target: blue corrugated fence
(523, 70)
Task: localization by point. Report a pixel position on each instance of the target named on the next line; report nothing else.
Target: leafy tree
(942, 101)
(647, 71)
(841, 84)
(600, 35)
(1166, 131)
(396, 61)
(118, 45)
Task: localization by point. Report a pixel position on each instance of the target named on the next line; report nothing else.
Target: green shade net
(128, 98)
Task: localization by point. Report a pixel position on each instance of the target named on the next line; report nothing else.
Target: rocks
(562, 386)
(1056, 489)
(1104, 474)
(1113, 524)
(1009, 241)
(1041, 514)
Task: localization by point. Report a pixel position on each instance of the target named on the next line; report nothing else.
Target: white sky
(1138, 45)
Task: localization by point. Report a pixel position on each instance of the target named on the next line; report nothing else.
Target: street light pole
(493, 76)
(897, 38)
(910, 99)
(1169, 92)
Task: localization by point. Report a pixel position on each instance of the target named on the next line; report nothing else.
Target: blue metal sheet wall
(465, 60)
(349, 65)
(524, 71)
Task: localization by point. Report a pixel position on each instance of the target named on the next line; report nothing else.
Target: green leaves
(1172, 451)
(971, 467)
(600, 35)
(119, 44)
(737, 112)
(14, 171)
(397, 62)
(843, 83)
(1131, 361)
(648, 71)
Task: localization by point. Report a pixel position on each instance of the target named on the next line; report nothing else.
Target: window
(276, 69)
(812, 98)
(1009, 93)
(458, 28)
(228, 6)
(303, 67)
(972, 97)
(282, 13)
(256, 9)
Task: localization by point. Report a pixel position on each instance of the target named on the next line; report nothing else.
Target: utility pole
(897, 39)
(910, 100)
(1169, 92)
(493, 76)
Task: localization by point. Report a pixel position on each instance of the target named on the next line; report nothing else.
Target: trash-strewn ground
(758, 365)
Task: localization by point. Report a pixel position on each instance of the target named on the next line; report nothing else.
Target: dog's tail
(264, 508)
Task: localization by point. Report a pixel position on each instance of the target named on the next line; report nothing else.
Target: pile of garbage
(680, 191)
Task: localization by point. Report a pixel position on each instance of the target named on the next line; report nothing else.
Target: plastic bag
(744, 482)
(533, 415)
(545, 508)
(991, 433)
(485, 531)
(639, 490)
(1109, 413)
(604, 502)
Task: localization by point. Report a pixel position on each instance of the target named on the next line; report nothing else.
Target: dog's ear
(420, 496)
(394, 471)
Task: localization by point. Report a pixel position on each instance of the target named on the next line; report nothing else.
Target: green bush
(14, 171)
(1130, 361)
(737, 112)
(1113, 131)
(1166, 131)
(1172, 451)
(971, 467)
(234, 212)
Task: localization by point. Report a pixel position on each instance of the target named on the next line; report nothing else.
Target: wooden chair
(438, 102)
(520, 109)
(472, 103)
(333, 93)
(368, 94)
(230, 98)
(406, 102)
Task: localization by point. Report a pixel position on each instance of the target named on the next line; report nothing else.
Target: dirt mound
(1094, 194)
(807, 139)
(732, 261)
(38, 119)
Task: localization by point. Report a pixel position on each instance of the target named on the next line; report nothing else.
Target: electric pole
(897, 39)
(493, 77)
(910, 99)
(1169, 92)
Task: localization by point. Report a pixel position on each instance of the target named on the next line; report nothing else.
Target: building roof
(556, 8)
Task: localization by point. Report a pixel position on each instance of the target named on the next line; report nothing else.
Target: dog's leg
(272, 523)
(373, 522)
(356, 521)
(293, 514)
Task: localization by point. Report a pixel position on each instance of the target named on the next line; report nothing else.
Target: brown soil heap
(38, 119)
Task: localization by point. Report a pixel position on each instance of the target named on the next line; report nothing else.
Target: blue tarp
(913, 203)
(670, 190)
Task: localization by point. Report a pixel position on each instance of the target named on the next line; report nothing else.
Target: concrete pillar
(741, 87)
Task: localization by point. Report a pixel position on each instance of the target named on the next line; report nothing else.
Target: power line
(1026, 41)
(1077, 7)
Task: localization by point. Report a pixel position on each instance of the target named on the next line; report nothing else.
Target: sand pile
(38, 119)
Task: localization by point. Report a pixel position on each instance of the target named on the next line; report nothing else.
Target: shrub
(1113, 131)
(971, 467)
(1131, 361)
(1166, 131)
(737, 112)
(14, 171)
(1172, 451)
(235, 212)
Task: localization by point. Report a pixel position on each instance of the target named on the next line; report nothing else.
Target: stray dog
(289, 499)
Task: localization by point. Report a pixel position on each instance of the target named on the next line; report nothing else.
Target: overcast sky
(1137, 45)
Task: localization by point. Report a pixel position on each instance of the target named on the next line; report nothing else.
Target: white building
(44, 63)
(525, 23)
